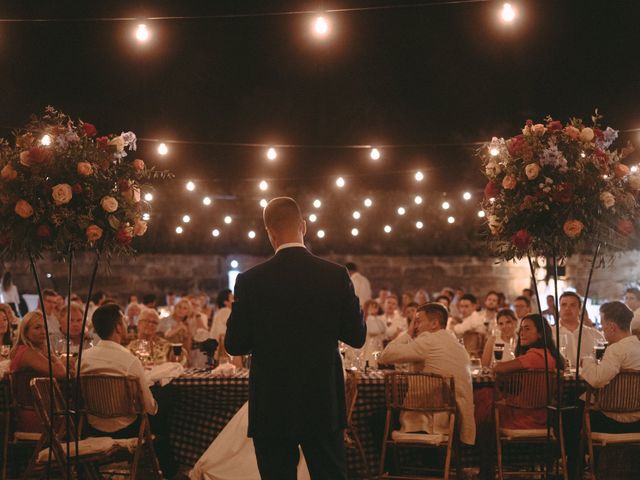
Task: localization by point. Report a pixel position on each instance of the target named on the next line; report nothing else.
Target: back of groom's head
(282, 214)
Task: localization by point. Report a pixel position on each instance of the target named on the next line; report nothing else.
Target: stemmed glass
(143, 351)
(564, 344)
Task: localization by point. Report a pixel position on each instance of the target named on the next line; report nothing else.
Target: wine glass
(476, 365)
(598, 349)
(498, 350)
(564, 345)
(143, 351)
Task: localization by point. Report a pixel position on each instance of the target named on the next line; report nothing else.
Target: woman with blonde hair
(179, 331)
(7, 319)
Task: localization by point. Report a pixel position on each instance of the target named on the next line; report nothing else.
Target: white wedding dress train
(231, 455)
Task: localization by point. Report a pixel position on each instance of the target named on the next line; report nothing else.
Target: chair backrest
(109, 396)
(525, 389)
(620, 395)
(473, 342)
(351, 394)
(422, 392)
(41, 391)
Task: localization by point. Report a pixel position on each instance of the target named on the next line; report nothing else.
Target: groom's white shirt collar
(290, 245)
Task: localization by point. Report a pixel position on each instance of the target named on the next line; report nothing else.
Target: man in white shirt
(632, 300)
(432, 349)
(570, 305)
(623, 353)
(360, 283)
(472, 320)
(394, 321)
(111, 358)
(490, 311)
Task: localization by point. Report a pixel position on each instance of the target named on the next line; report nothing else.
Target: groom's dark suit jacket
(289, 313)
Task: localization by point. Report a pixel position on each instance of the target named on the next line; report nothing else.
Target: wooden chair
(351, 438)
(423, 394)
(526, 390)
(474, 343)
(109, 396)
(621, 395)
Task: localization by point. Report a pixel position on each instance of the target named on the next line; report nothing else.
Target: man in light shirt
(392, 318)
(360, 283)
(522, 306)
(430, 348)
(570, 305)
(472, 320)
(623, 353)
(632, 300)
(490, 311)
(109, 357)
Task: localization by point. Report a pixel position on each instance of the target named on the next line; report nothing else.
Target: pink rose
(572, 132)
(8, 172)
(140, 228)
(532, 170)
(539, 129)
(521, 239)
(621, 170)
(85, 169)
(109, 204)
(587, 134)
(572, 228)
(93, 233)
(23, 209)
(509, 182)
(138, 164)
(62, 194)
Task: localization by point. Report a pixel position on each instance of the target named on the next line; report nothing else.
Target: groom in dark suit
(289, 314)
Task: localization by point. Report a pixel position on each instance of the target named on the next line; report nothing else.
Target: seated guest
(394, 321)
(75, 328)
(522, 306)
(421, 297)
(178, 331)
(430, 348)
(530, 353)
(111, 358)
(492, 303)
(50, 308)
(7, 319)
(376, 329)
(30, 355)
(219, 324)
(444, 300)
(409, 312)
(507, 324)
(632, 300)
(159, 348)
(471, 320)
(623, 353)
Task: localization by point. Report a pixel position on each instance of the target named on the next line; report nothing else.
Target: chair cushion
(88, 446)
(27, 436)
(524, 433)
(605, 438)
(426, 438)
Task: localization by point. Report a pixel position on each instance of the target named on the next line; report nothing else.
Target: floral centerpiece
(65, 188)
(555, 189)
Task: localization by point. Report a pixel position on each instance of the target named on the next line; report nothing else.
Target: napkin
(224, 370)
(164, 373)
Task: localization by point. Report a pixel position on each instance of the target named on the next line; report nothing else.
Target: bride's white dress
(231, 455)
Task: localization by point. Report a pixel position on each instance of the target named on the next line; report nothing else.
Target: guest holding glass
(505, 340)
(156, 349)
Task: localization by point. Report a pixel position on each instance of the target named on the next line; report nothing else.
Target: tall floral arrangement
(556, 188)
(64, 187)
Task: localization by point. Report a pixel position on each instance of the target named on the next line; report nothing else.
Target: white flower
(129, 139)
(532, 171)
(607, 199)
(586, 134)
(109, 204)
(118, 142)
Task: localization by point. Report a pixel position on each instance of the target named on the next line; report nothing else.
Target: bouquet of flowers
(554, 188)
(63, 187)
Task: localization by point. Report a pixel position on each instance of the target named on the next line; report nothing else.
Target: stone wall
(158, 273)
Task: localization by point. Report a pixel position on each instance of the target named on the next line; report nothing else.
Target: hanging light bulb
(45, 141)
(356, 215)
(419, 176)
(368, 202)
(263, 202)
(466, 196)
(234, 264)
(190, 186)
(375, 154)
(148, 197)
(508, 13)
(146, 217)
(354, 232)
(401, 211)
(419, 225)
(206, 201)
(451, 219)
(340, 182)
(317, 203)
(264, 186)
(446, 205)
(215, 232)
(251, 234)
(228, 219)
(494, 151)
(163, 149)
(142, 33)
(272, 154)
(313, 217)
(186, 218)
(387, 229)
(179, 230)
(418, 200)
(321, 27)
(481, 213)
(320, 234)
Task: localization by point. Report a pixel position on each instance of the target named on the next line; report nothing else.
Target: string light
(317, 203)
(419, 225)
(320, 234)
(466, 196)
(375, 154)
(340, 182)
(215, 232)
(148, 197)
(228, 219)
(45, 140)
(401, 211)
(481, 213)
(206, 201)
(251, 234)
(263, 202)
(179, 230)
(264, 186)
(368, 202)
(387, 229)
(634, 168)
(191, 186)
(508, 13)
(146, 217)
(419, 176)
(418, 200)
(313, 217)
(446, 205)
(354, 232)
(272, 154)
(494, 151)
(234, 264)
(321, 27)
(356, 215)
(163, 149)
(451, 219)
(186, 218)
(142, 33)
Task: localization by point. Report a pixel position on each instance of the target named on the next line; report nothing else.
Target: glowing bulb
(419, 225)
(354, 232)
(163, 149)
(272, 154)
(320, 234)
(148, 197)
(215, 232)
(146, 217)
(401, 211)
(508, 13)
(634, 169)
(206, 201)
(583, 155)
(234, 264)
(313, 217)
(263, 185)
(251, 234)
(340, 182)
(419, 176)
(451, 219)
(186, 218)
(387, 229)
(321, 27)
(191, 186)
(375, 154)
(263, 202)
(368, 202)
(228, 219)
(418, 199)
(466, 196)
(446, 205)
(142, 33)
(45, 140)
(494, 151)
(481, 213)
(179, 230)
(317, 203)
(356, 215)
